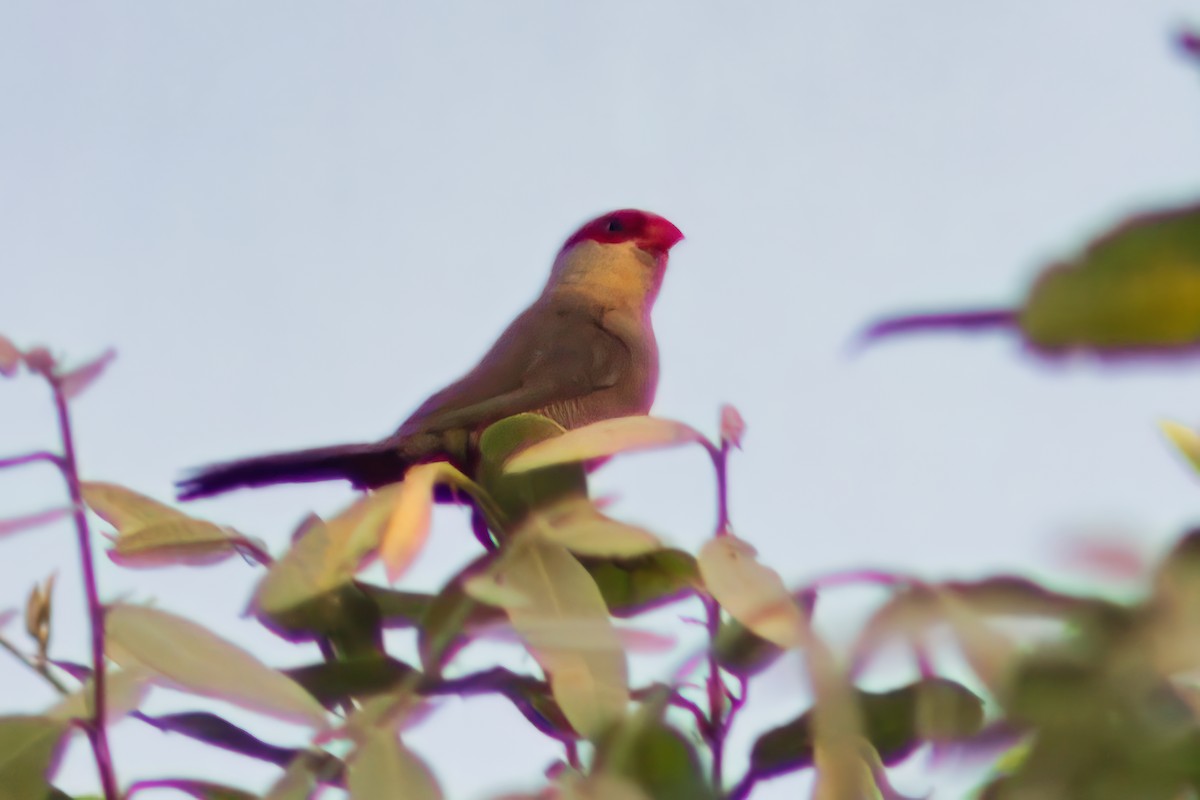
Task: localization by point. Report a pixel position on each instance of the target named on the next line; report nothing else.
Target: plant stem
(32, 458)
(97, 730)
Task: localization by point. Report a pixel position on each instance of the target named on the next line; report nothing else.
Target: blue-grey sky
(295, 220)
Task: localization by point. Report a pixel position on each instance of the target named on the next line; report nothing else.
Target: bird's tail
(364, 465)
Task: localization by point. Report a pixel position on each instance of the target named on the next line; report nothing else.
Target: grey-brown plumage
(582, 352)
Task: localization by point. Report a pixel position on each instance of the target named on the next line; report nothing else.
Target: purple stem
(97, 730)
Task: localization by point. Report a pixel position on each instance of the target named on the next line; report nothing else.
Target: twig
(97, 730)
(40, 669)
(718, 721)
(33, 458)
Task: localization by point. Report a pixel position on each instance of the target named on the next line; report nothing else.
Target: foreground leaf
(751, 593)
(1185, 439)
(194, 659)
(590, 684)
(606, 438)
(517, 494)
(29, 751)
(384, 769)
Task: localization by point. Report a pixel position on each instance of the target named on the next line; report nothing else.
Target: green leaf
(29, 751)
(581, 528)
(605, 438)
(336, 682)
(194, 659)
(515, 494)
(741, 652)
(751, 593)
(397, 609)
(152, 534)
(1136, 287)
(895, 723)
(1185, 439)
(384, 769)
(633, 585)
(590, 682)
(653, 755)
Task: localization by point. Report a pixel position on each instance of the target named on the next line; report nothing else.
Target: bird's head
(618, 257)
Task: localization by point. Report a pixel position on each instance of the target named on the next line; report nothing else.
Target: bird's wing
(550, 354)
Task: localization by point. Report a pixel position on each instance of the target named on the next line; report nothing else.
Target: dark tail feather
(364, 465)
(984, 319)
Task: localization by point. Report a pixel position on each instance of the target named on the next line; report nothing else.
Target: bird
(582, 352)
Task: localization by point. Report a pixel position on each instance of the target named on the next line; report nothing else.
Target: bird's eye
(615, 226)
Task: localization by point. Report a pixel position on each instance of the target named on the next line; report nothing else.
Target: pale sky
(296, 220)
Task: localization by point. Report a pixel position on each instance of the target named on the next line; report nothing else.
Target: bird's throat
(618, 276)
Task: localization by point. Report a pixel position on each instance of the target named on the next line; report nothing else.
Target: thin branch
(40, 669)
(33, 458)
(97, 730)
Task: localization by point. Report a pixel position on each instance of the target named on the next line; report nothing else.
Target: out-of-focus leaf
(1133, 290)
(733, 427)
(194, 659)
(219, 732)
(408, 524)
(29, 751)
(517, 494)
(124, 690)
(451, 614)
(39, 360)
(384, 769)
(601, 787)
(590, 685)
(200, 790)
(10, 357)
(654, 756)
(633, 585)
(1186, 440)
(1136, 287)
(740, 652)
(751, 593)
(580, 527)
(29, 521)
(325, 556)
(335, 682)
(397, 609)
(605, 438)
(297, 781)
(181, 542)
(74, 383)
(895, 723)
(125, 509)
(151, 534)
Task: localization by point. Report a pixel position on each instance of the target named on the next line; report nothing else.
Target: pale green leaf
(577, 525)
(384, 769)
(196, 660)
(125, 509)
(750, 592)
(605, 438)
(590, 684)
(124, 690)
